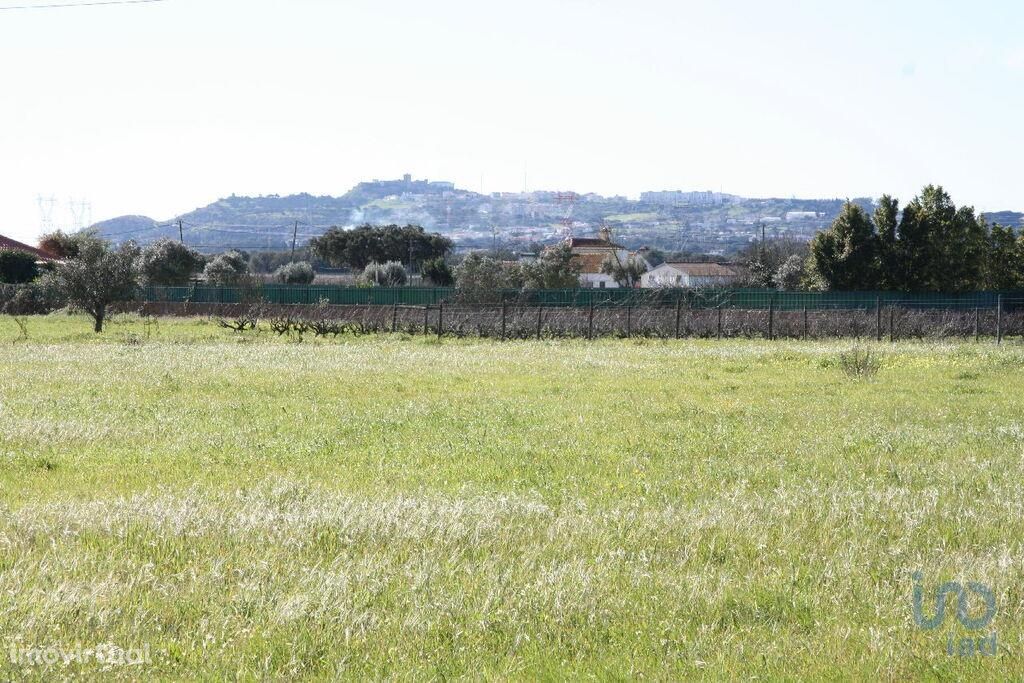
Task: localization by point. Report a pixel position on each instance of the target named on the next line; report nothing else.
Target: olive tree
(98, 276)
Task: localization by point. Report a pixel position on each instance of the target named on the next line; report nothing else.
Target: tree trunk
(98, 315)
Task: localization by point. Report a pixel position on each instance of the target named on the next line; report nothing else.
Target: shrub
(438, 272)
(17, 267)
(300, 273)
(859, 363)
(229, 268)
(167, 262)
(37, 298)
(390, 274)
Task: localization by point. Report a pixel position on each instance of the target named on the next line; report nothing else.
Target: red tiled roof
(704, 269)
(15, 245)
(592, 242)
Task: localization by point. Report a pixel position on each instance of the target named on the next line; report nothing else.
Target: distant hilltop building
(690, 198)
(407, 185)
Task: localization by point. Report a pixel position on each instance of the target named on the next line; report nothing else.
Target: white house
(690, 275)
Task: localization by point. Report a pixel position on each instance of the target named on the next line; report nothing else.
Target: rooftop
(15, 245)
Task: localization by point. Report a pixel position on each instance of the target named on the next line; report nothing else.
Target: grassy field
(385, 506)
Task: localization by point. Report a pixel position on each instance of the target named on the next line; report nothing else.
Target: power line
(94, 3)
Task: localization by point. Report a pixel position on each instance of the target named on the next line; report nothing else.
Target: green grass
(387, 506)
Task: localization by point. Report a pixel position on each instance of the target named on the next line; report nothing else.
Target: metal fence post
(629, 321)
(426, 320)
(440, 319)
(540, 318)
(878, 318)
(719, 321)
(771, 319)
(977, 324)
(804, 335)
(504, 316)
(892, 317)
(679, 313)
(999, 320)
(590, 320)
(394, 318)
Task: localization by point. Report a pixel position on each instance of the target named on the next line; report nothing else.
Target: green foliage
(479, 276)
(438, 272)
(299, 273)
(390, 274)
(167, 262)
(229, 268)
(625, 272)
(97, 276)
(790, 275)
(61, 244)
(17, 267)
(358, 247)
(932, 245)
(555, 268)
(859, 363)
(35, 298)
(940, 247)
(1004, 265)
(886, 218)
(844, 256)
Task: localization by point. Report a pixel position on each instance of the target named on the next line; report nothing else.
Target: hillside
(691, 221)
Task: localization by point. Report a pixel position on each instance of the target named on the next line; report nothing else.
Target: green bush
(36, 298)
(17, 267)
(300, 273)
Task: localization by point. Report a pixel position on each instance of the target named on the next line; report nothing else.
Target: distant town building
(800, 216)
(685, 274)
(673, 197)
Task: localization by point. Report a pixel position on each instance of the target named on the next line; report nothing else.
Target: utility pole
(295, 235)
(181, 233)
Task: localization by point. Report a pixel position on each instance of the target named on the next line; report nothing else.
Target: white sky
(157, 109)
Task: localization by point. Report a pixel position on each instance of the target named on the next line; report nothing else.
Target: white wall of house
(597, 281)
(666, 275)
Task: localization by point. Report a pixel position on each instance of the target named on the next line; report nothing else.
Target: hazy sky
(159, 108)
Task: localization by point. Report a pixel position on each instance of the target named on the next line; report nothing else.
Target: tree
(479, 277)
(554, 269)
(886, 218)
(939, 247)
(61, 244)
(299, 273)
(166, 262)
(17, 267)
(390, 274)
(627, 273)
(761, 260)
(358, 247)
(790, 275)
(438, 272)
(844, 256)
(1004, 263)
(97, 276)
(229, 268)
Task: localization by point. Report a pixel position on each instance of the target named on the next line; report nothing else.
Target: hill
(707, 222)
